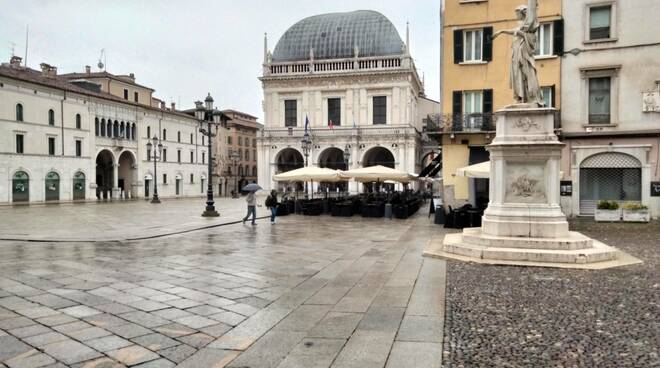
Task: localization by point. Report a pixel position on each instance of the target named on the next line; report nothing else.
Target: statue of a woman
(523, 79)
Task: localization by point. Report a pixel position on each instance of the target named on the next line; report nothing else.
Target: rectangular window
(78, 148)
(548, 97)
(472, 102)
(544, 40)
(19, 143)
(51, 146)
(247, 155)
(290, 113)
(148, 132)
(125, 94)
(254, 142)
(600, 22)
(148, 155)
(135, 96)
(191, 157)
(240, 141)
(191, 138)
(203, 144)
(192, 178)
(164, 134)
(380, 109)
(472, 45)
(164, 155)
(334, 111)
(178, 156)
(599, 100)
(254, 155)
(178, 137)
(203, 157)
(78, 121)
(164, 178)
(228, 140)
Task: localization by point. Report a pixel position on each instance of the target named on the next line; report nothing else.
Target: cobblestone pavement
(537, 317)
(306, 292)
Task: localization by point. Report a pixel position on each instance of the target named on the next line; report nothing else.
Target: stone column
(115, 181)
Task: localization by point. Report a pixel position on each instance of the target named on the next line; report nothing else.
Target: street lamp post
(347, 157)
(205, 113)
(156, 151)
(306, 143)
(235, 158)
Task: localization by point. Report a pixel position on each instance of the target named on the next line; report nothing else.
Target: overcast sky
(184, 49)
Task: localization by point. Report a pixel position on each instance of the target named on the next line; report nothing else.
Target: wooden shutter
(487, 43)
(458, 46)
(552, 96)
(457, 102)
(487, 107)
(558, 38)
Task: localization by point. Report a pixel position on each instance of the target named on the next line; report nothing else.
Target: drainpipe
(62, 121)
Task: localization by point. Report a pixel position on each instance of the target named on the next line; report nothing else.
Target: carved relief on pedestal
(651, 101)
(525, 183)
(526, 124)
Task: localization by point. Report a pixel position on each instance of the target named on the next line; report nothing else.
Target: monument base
(575, 251)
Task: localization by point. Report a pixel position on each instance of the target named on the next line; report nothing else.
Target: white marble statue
(523, 79)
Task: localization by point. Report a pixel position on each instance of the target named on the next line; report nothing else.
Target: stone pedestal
(524, 224)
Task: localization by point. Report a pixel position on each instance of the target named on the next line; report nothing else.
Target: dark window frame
(20, 143)
(19, 112)
(78, 121)
(51, 117)
(290, 113)
(334, 111)
(379, 105)
(51, 146)
(78, 148)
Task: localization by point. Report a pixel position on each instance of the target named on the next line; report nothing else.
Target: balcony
(362, 130)
(338, 65)
(469, 123)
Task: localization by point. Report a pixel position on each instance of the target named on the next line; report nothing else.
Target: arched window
(247, 154)
(102, 127)
(122, 130)
(51, 117)
(19, 112)
(247, 170)
(240, 171)
(178, 136)
(96, 126)
(52, 186)
(20, 187)
(78, 185)
(254, 171)
(148, 132)
(115, 130)
(133, 131)
(78, 121)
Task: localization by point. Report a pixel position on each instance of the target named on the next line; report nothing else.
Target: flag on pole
(306, 123)
(330, 125)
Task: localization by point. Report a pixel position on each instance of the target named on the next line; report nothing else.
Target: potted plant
(607, 211)
(635, 212)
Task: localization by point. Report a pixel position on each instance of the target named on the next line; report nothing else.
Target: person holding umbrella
(251, 201)
(271, 203)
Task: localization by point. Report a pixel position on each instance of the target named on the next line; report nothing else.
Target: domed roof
(335, 35)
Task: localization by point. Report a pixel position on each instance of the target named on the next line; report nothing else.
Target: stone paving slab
(233, 296)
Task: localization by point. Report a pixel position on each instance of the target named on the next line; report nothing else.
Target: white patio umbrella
(378, 173)
(480, 170)
(310, 173)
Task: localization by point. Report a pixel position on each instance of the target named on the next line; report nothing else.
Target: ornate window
(290, 113)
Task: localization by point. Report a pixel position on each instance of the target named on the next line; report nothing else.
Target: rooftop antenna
(102, 59)
(27, 28)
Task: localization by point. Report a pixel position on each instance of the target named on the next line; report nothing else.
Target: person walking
(271, 203)
(251, 207)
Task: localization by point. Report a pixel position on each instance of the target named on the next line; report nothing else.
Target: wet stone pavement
(542, 317)
(306, 292)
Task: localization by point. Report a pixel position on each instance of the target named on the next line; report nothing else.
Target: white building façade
(68, 137)
(352, 77)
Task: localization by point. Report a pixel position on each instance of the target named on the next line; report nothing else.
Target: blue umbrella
(252, 187)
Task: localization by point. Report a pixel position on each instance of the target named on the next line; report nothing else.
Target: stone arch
(378, 155)
(127, 172)
(332, 158)
(289, 159)
(105, 164)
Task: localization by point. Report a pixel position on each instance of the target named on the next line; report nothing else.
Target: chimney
(173, 107)
(163, 105)
(15, 61)
(132, 76)
(88, 69)
(48, 70)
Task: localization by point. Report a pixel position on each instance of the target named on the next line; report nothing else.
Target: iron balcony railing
(469, 123)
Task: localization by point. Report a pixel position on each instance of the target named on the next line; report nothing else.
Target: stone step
(455, 244)
(574, 241)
